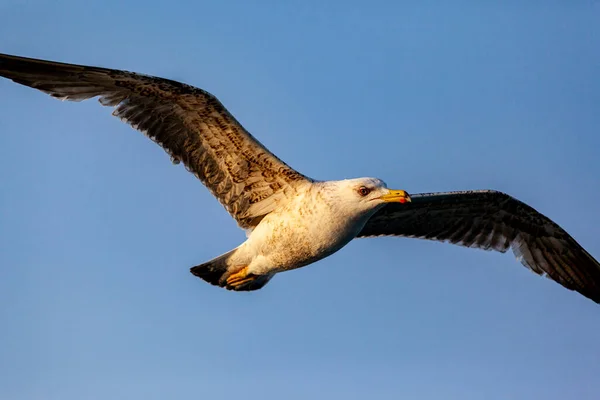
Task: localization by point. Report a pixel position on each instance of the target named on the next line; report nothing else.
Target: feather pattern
(492, 220)
(189, 123)
(318, 217)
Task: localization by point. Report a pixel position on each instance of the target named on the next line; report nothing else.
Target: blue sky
(98, 229)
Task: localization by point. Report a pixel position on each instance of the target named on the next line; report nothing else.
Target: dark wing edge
(190, 124)
(492, 220)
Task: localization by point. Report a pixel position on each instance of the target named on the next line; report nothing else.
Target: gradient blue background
(98, 230)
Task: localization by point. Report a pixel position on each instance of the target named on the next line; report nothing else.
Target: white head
(364, 196)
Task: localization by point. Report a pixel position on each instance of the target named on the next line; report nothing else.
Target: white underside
(312, 225)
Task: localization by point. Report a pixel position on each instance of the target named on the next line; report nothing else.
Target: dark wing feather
(493, 220)
(189, 123)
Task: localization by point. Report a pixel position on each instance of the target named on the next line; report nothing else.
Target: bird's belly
(301, 250)
(284, 244)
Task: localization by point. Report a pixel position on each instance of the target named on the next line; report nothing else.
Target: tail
(218, 270)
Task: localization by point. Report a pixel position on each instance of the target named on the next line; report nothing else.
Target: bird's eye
(363, 191)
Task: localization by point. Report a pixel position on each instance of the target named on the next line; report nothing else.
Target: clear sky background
(98, 229)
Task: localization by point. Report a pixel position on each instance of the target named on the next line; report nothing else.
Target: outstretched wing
(189, 123)
(493, 220)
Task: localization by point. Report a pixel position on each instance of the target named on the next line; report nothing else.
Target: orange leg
(240, 278)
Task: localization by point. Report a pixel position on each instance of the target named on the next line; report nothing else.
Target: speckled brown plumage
(292, 220)
(189, 123)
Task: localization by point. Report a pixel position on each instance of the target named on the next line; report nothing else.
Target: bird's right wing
(189, 123)
(493, 220)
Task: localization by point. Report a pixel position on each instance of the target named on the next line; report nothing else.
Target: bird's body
(315, 223)
(292, 220)
(304, 230)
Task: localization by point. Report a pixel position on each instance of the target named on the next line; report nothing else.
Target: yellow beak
(396, 196)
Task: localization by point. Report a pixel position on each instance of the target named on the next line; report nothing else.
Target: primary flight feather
(293, 220)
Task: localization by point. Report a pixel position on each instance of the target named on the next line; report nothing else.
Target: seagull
(292, 220)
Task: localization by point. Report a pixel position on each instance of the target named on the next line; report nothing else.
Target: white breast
(309, 227)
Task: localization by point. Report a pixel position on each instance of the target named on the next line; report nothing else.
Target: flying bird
(290, 219)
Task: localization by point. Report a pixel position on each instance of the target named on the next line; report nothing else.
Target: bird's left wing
(189, 123)
(493, 220)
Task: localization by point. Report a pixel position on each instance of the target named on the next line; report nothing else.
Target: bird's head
(367, 194)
